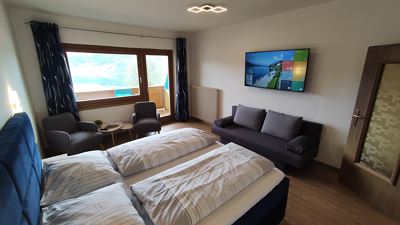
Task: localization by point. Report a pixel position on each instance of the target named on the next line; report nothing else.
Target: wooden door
(370, 165)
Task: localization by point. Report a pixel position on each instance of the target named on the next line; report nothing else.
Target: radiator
(204, 103)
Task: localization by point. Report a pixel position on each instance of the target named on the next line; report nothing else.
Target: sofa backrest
(307, 127)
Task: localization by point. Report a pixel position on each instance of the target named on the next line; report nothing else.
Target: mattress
(234, 208)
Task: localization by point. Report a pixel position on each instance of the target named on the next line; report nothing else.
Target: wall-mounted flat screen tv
(281, 70)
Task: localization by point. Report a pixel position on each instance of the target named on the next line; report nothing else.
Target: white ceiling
(164, 14)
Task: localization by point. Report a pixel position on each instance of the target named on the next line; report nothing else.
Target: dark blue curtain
(182, 97)
(56, 77)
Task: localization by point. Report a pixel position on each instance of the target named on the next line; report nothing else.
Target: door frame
(381, 191)
(377, 57)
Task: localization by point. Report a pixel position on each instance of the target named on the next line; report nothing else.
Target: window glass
(102, 75)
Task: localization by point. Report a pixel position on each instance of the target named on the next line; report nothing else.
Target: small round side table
(127, 127)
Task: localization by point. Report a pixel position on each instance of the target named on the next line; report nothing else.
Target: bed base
(270, 210)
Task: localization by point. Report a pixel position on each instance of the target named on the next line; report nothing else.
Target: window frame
(142, 73)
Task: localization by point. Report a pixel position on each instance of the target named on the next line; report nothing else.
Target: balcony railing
(156, 93)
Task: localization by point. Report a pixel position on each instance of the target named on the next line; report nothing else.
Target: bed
(263, 202)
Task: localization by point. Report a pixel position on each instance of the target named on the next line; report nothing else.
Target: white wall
(11, 78)
(338, 34)
(30, 64)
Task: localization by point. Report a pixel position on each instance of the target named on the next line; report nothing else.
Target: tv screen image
(281, 70)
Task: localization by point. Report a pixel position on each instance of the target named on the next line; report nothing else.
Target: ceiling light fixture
(207, 8)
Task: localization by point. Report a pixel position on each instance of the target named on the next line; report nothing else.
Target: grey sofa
(66, 135)
(145, 118)
(295, 150)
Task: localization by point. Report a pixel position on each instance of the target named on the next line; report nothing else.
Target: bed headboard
(20, 173)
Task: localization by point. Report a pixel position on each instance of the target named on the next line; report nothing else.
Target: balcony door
(105, 76)
(159, 81)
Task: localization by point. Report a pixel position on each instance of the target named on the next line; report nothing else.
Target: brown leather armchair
(66, 135)
(145, 118)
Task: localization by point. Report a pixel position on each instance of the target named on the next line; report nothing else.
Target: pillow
(76, 175)
(301, 144)
(109, 205)
(281, 125)
(249, 117)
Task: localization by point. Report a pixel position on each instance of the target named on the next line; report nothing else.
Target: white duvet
(187, 193)
(149, 152)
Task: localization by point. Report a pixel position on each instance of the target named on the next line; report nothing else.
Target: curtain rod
(109, 32)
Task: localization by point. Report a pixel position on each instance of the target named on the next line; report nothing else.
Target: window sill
(108, 102)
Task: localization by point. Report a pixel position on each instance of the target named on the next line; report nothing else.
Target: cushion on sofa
(249, 117)
(301, 144)
(281, 125)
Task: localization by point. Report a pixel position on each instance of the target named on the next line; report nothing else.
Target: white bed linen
(76, 175)
(146, 153)
(94, 208)
(235, 207)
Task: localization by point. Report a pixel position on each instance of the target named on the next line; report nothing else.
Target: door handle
(357, 117)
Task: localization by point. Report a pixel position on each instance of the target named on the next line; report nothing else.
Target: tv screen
(281, 70)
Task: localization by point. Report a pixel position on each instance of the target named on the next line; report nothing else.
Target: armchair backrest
(145, 110)
(62, 122)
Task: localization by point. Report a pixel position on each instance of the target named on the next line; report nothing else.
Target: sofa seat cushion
(147, 125)
(249, 117)
(85, 140)
(268, 146)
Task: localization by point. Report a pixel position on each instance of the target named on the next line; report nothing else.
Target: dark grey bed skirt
(270, 210)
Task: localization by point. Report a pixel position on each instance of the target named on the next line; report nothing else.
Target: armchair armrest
(158, 115)
(87, 126)
(134, 118)
(223, 122)
(59, 141)
(301, 144)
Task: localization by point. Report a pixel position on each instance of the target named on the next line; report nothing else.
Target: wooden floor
(316, 197)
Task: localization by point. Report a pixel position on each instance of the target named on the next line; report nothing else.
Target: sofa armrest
(58, 141)
(87, 126)
(302, 144)
(223, 122)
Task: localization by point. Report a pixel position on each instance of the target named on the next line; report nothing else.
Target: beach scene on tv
(282, 70)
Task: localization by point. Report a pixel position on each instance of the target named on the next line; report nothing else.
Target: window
(100, 75)
(110, 76)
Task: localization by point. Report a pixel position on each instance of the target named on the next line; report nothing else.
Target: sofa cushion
(301, 144)
(281, 125)
(249, 117)
(223, 122)
(147, 125)
(84, 140)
